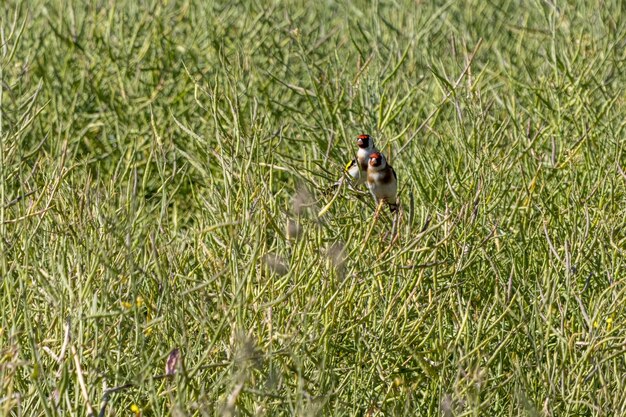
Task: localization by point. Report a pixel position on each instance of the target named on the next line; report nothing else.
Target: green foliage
(162, 171)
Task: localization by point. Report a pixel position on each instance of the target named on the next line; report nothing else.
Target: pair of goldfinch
(371, 167)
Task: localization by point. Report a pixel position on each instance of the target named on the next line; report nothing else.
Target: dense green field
(162, 174)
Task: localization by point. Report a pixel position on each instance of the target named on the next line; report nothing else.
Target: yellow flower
(139, 301)
(126, 304)
(609, 323)
(135, 409)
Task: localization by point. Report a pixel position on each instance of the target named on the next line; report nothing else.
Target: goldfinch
(357, 168)
(382, 181)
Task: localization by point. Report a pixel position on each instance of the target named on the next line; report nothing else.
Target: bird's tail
(331, 190)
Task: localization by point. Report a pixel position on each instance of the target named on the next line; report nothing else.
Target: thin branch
(19, 198)
(81, 382)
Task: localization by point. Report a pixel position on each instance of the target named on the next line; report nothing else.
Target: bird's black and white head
(377, 161)
(365, 142)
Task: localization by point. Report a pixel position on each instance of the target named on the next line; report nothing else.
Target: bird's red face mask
(363, 141)
(375, 160)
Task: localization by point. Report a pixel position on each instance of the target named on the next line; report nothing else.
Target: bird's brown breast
(382, 177)
(363, 163)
